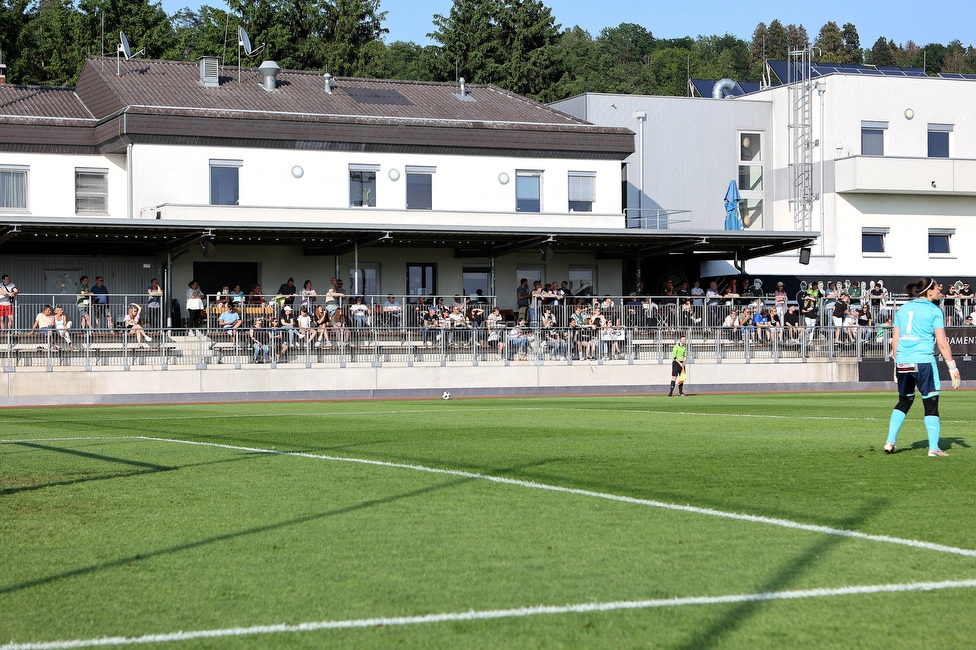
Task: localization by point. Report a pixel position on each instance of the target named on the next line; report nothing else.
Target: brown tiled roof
(175, 85)
(41, 102)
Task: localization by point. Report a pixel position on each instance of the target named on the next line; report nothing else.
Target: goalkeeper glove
(954, 374)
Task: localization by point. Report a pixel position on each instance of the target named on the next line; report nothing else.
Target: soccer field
(733, 521)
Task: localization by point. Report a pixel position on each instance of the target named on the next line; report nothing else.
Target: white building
(892, 167)
(425, 188)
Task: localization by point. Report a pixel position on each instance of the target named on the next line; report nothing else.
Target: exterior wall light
(297, 171)
(909, 113)
(503, 178)
(394, 174)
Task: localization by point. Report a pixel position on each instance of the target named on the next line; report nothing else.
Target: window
(419, 188)
(939, 140)
(421, 279)
(13, 187)
(528, 191)
(369, 280)
(873, 240)
(91, 191)
(582, 280)
(750, 163)
(939, 241)
(582, 191)
(474, 278)
(872, 138)
(225, 182)
(362, 185)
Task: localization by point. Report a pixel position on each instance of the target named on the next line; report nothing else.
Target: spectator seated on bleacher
(392, 312)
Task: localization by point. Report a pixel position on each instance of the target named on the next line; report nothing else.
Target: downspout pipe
(128, 181)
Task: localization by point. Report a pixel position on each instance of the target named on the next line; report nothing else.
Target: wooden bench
(36, 348)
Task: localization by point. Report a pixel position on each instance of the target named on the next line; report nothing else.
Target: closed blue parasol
(732, 219)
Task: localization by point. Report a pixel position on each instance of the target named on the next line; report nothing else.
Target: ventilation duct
(328, 83)
(269, 72)
(209, 70)
(722, 88)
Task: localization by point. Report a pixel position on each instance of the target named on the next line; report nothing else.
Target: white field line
(483, 615)
(784, 523)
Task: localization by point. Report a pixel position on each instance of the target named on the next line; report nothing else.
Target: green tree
(830, 43)
(883, 52)
(145, 24)
(511, 43)
(930, 57)
(669, 69)
(853, 44)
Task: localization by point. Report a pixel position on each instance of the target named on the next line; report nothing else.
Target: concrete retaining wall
(27, 387)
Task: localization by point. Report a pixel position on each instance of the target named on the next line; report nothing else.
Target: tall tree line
(515, 44)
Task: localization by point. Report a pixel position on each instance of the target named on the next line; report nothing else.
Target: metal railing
(92, 349)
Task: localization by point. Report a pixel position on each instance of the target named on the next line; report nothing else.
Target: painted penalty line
(483, 615)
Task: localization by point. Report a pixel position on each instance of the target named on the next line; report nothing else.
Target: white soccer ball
(446, 395)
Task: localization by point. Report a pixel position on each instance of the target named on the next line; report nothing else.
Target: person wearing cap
(286, 323)
(392, 312)
(429, 324)
(918, 328)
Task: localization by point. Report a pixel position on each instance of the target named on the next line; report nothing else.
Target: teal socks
(933, 426)
(897, 417)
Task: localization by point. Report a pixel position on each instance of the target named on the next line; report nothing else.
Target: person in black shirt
(288, 289)
(524, 295)
(791, 321)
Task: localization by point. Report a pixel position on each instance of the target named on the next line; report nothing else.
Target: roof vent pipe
(720, 88)
(328, 83)
(463, 93)
(269, 72)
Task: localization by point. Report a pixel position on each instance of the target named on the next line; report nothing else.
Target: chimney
(209, 70)
(328, 83)
(269, 71)
(463, 92)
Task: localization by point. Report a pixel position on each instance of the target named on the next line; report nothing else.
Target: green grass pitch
(108, 533)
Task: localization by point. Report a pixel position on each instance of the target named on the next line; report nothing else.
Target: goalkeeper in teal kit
(919, 326)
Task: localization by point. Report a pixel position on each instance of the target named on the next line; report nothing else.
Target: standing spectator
(84, 302)
(697, 292)
(287, 291)
(535, 307)
(679, 353)
(841, 312)
(779, 300)
(876, 296)
(194, 307)
(524, 297)
(100, 299)
(154, 307)
(966, 298)
(8, 291)
(809, 313)
(496, 331)
(713, 300)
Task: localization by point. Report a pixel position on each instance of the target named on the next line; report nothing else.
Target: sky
(932, 21)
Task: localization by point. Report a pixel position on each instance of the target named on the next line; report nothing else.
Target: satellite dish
(243, 42)
(124, 50)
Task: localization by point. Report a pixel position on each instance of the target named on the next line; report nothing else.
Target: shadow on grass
(114, 475)
(944, 443)
(737, 616)
(83, 571)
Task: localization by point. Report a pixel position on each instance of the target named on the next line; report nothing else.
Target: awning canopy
(150, 237)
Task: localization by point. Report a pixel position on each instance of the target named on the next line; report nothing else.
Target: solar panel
(703, 86)
(957, 75)
(377, 96)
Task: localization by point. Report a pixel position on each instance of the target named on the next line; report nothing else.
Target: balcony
(920, 176)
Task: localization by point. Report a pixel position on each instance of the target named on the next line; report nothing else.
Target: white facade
(686, 149)
(51, 184)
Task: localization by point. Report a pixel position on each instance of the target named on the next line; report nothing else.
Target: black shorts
(675, 368)
(925, 378)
